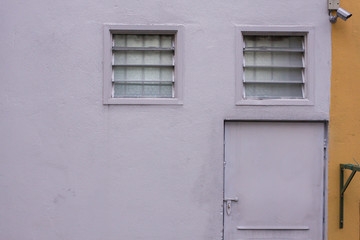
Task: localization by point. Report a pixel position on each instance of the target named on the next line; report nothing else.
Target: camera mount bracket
(333, 5)
(354, 169)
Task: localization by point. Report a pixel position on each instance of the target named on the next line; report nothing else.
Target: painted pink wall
(73, 168)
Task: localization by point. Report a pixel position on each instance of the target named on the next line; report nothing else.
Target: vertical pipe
(341, 197)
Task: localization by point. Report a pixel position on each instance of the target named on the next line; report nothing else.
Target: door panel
(275, 169)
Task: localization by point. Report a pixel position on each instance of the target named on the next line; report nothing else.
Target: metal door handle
(228, 204)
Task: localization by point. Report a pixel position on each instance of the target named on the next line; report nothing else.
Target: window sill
(143, 101)
(274, 102)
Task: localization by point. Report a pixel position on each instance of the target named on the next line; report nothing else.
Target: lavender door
(274, 180)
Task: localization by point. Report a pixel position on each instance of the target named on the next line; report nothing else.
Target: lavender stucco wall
(73, 168)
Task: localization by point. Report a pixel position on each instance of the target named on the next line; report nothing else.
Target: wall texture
(344, 122)
(73, 168)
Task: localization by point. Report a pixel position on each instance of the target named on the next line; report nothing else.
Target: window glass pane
(285, 41)
(134, 73)
(296, 42)
(158, 91)
(119, 40)
(291, 74)
(152, 74)
(128, 57)
(158, 57)
(152, 57)
(166, 91)
(143, 57)
(128, 40)
(137, 90)
(134, 90)
(119, 90)
(167, 74)
(143, 73)
(119, 73)
(151, 41)
(287, 59)
(167, 58)
(134, 57)
(120, 57)
(134, 40)
(274, 41)
(270, 74)
(151, 90)
(128, 90)
(259, 90)
(166, 41)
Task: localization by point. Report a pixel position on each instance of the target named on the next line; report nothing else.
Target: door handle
(228, 204)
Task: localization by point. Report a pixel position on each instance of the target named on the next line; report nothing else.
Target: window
(274, 67)
(142, 65)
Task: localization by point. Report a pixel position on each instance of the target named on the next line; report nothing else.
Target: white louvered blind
(143, 66)
(273, 67)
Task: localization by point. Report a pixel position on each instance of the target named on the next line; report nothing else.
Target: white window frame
(110, 29)
(309, 81)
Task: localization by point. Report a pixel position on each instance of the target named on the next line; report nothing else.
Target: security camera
(341, 13)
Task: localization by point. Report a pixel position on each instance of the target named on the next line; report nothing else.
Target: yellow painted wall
(344, 139)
